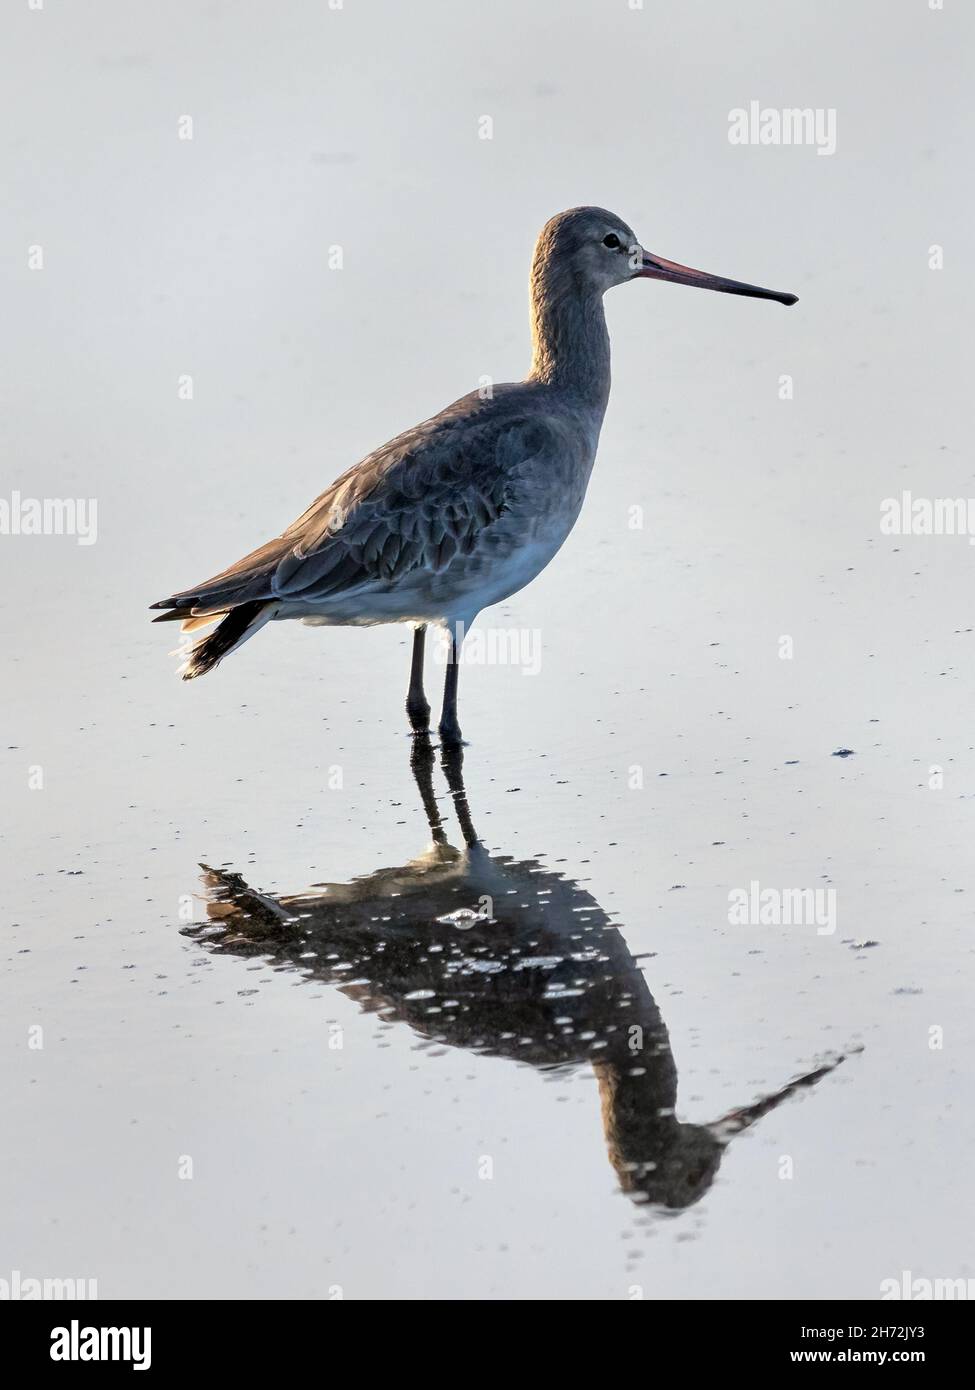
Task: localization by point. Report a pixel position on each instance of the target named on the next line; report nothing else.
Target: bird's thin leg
(417, 708)
(449, 727)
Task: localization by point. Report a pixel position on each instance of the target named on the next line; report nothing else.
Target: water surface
(420, 1030)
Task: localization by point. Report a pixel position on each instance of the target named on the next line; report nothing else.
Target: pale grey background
(359, 127)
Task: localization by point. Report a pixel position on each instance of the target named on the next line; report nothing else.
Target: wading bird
(466, 509)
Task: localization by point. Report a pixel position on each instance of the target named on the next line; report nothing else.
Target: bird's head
(598, 250)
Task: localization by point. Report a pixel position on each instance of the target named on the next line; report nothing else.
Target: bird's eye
(612, 241)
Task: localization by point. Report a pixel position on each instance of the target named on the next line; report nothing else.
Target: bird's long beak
(651, 267)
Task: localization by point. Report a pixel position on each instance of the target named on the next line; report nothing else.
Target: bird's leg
(449, 727)
(417, 708)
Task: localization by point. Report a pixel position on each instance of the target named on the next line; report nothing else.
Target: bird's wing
(420, 501)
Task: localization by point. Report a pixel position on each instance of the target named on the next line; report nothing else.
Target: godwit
(464, 510)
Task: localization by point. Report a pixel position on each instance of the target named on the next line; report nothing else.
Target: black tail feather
(210, 650)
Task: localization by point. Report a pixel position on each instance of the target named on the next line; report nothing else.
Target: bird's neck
(570, 343)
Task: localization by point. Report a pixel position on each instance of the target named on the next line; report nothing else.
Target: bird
(465, 509)
(509, 958)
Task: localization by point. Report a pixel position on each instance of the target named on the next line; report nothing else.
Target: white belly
(458, 593)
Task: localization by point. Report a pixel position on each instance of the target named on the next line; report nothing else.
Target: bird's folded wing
(429, 496)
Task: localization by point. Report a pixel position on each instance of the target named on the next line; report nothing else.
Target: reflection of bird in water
(506, 958)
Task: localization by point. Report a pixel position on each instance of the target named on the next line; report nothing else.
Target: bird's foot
(418, 713)
(450, 734)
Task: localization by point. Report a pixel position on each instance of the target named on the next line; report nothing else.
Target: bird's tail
(233, 628)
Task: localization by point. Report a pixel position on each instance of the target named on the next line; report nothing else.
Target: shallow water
(362, 1111)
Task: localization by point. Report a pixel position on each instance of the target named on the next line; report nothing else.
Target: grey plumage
(463, 510)
(417, 504)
